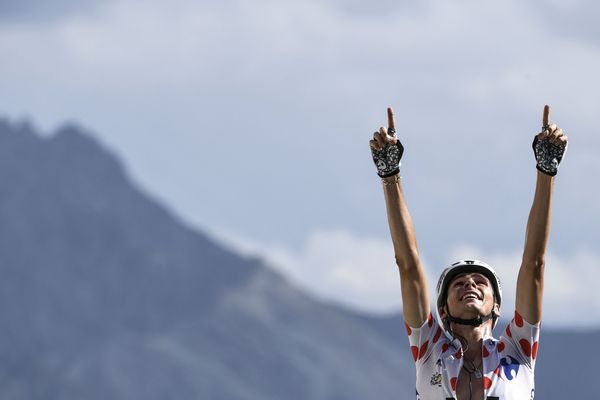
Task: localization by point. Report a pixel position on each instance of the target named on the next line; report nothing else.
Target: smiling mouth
(470, 296)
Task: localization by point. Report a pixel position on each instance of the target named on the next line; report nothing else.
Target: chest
(469, 386)
(503, 376)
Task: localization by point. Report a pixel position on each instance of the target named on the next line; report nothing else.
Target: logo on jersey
(510, 367)
(436, 379)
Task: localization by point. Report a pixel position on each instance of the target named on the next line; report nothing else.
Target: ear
(443, 312)
(496, 309)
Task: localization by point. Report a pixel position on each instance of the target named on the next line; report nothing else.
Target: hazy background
(251, 120)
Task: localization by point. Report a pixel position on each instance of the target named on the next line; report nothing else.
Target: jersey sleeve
(423, 338)
(524, 338)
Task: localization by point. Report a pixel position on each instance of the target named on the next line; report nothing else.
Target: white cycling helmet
(461, 267)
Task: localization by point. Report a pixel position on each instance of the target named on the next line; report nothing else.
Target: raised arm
(549, 148)
(387, 151)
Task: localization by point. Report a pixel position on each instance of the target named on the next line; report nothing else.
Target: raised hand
(549, 146)
(386, 149)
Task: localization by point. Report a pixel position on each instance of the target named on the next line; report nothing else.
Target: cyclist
(455, 354)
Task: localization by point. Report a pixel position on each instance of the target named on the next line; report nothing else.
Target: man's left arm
(549, 147)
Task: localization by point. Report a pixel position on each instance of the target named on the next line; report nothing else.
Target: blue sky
(251, 120)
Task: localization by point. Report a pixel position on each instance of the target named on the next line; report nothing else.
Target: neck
(472, 337)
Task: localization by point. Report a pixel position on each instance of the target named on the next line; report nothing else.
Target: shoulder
(521, 337)
(427, 339)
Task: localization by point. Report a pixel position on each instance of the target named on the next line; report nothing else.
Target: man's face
(470, 295)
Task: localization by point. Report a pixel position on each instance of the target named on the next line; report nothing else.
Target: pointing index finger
(391, 121)
(546, 114)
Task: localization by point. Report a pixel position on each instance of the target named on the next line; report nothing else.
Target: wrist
(391, 180)
(543, 175)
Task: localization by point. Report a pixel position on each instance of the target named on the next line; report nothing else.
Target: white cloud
(133, 48)
(570, 284)
(338, 266)
(360, 273)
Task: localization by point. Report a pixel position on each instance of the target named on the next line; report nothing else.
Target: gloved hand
(386, 149)
(549, 146)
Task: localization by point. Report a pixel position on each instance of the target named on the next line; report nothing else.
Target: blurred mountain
(105, 294)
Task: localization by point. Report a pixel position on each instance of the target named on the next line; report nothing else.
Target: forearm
(400, 223)
(538, 224)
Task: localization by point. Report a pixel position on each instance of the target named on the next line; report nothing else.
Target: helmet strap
(473, 321)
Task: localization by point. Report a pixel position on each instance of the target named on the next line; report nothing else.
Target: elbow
(536, 262)
(535, 259)
(407, 261)
(535, 267)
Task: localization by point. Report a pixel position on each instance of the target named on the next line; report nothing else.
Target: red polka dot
(438, 333)
(458, 355)
(423, 349)
(518, 319)
(485, 352)
(526, 347)
(500, 347)
(508, 333)
(445, 347)
(534, 350)
(408, 330)
(430, 320)
(487, 382)
(415, 352)
(453, 383)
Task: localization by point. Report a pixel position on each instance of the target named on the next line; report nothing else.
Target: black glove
(387, 160)
(548, 155)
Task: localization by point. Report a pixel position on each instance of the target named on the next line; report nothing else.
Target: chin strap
(473, 321)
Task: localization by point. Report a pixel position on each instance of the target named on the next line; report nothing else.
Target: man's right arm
(413, 283)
